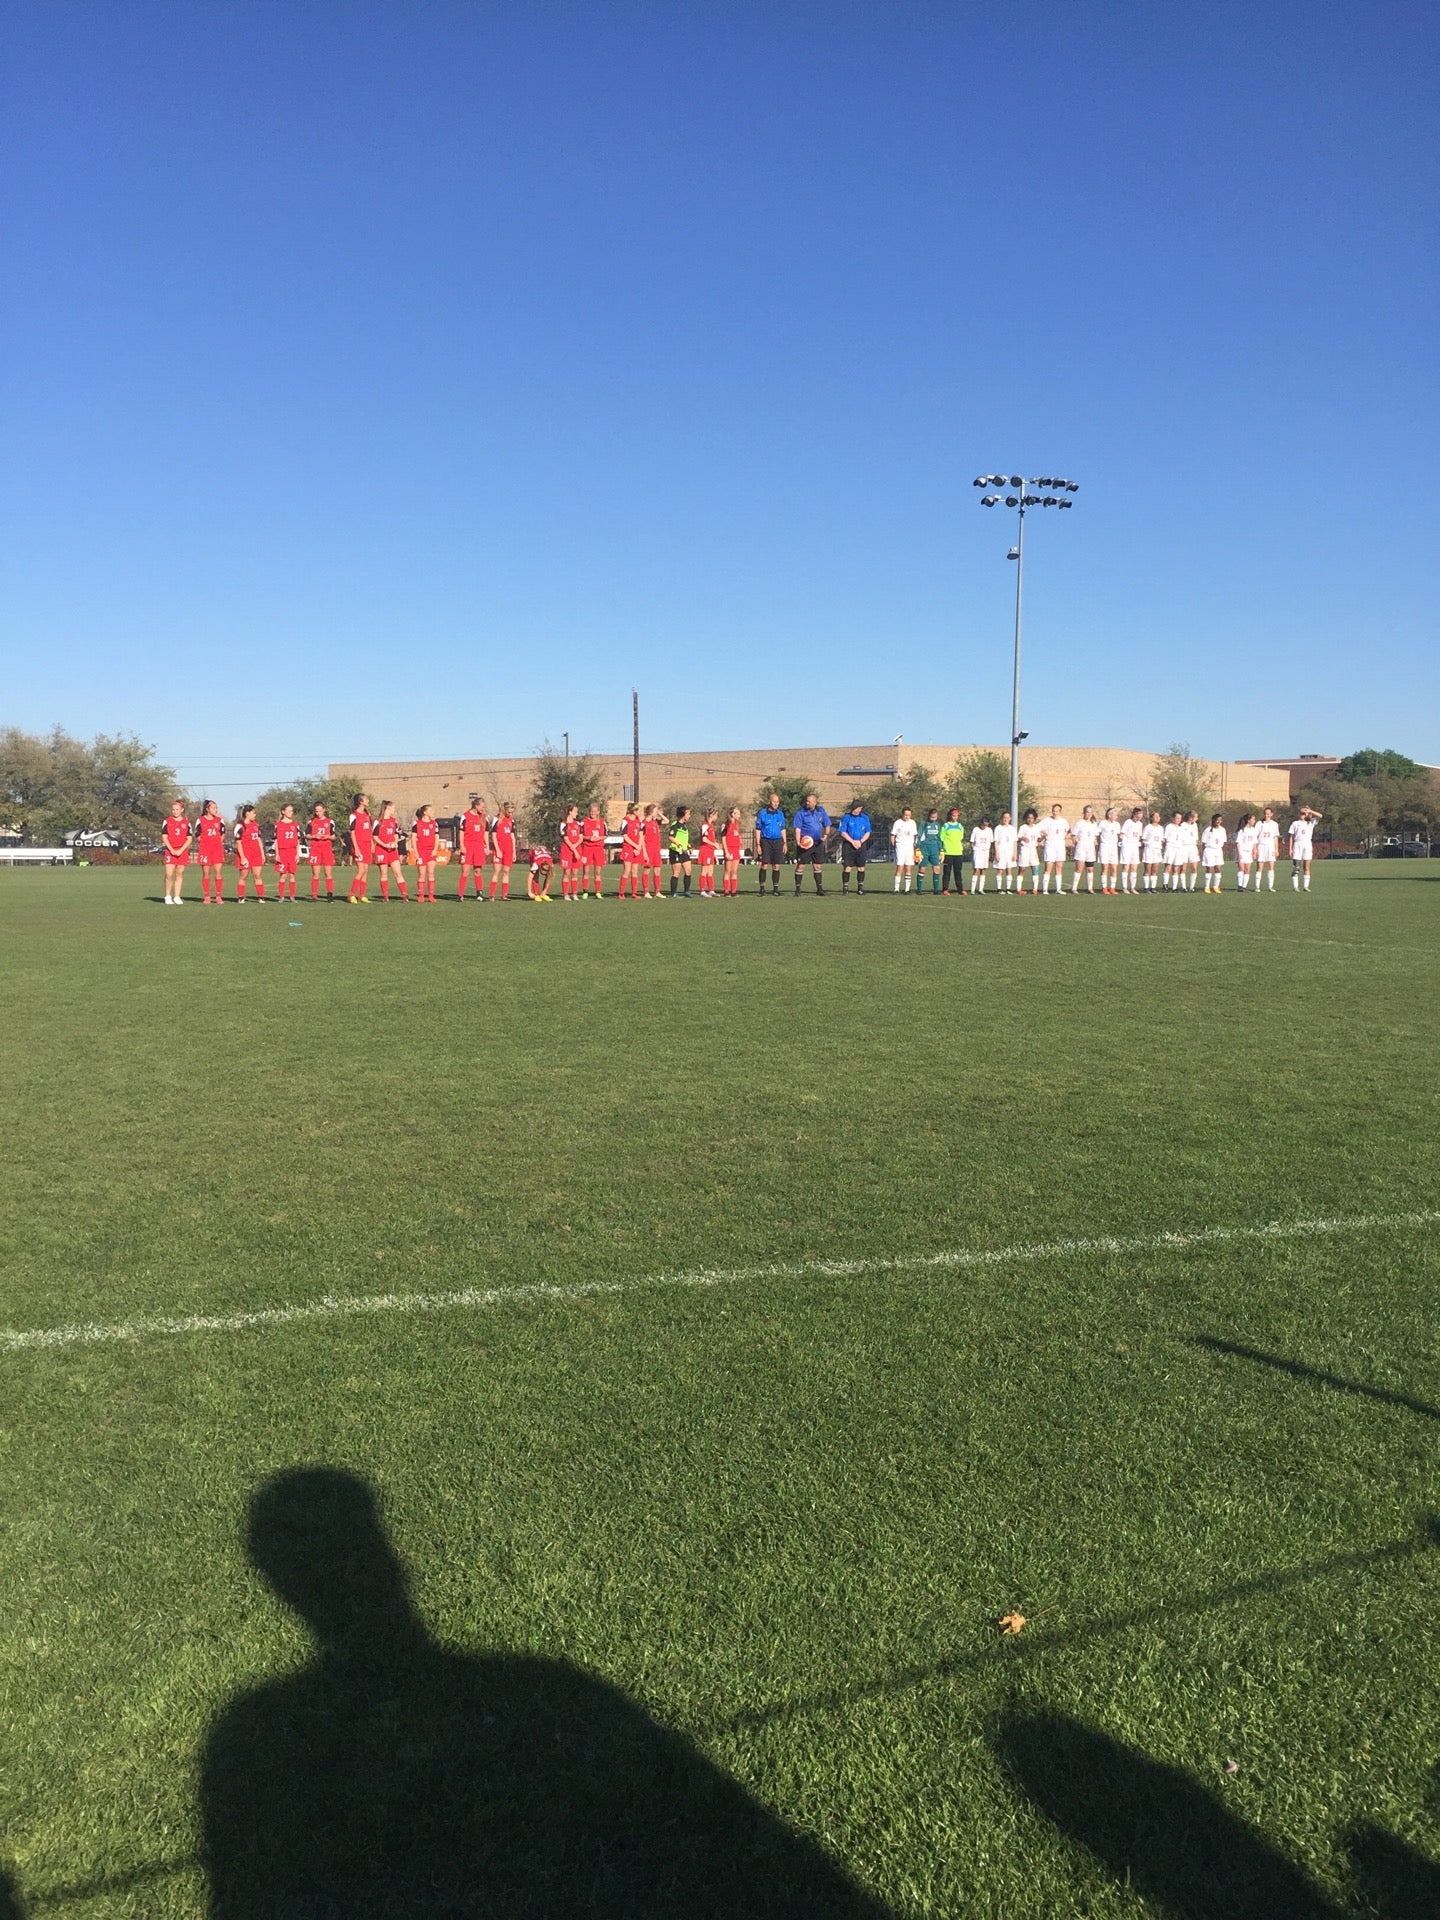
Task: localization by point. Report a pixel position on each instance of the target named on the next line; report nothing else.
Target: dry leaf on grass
(1011, 1622)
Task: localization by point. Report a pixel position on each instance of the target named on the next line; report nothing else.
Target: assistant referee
(770, 839)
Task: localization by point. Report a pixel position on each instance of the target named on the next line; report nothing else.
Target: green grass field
(705, 1563)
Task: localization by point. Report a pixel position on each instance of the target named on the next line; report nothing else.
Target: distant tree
(1350, 807)
(916, 788)
(334, 795)
(701, 799)
(1408, 806)
(1179, 784)
(54, 784)
(979, 784)
(560, 783)
(1372, 763)
(791, 787)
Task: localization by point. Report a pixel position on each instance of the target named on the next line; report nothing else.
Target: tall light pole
(1051, 494)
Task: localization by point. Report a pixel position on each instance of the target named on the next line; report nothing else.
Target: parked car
(1404, 850)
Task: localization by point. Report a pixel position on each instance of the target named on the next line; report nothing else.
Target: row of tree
(53, 784)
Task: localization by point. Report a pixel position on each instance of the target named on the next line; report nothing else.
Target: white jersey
(1109, 831)
(1005, 838)
(1173, 841)
(1029, 845)
(1087, 832)
(1212, 843)
(1132, 832)
(981, 841)
(1245, 845)
(1192, 840)
(1267, 840)
(1055, 831)
(904, 834)
(1302, 839)
(1152, 839)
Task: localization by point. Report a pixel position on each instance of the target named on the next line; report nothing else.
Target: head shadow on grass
(392, 1775)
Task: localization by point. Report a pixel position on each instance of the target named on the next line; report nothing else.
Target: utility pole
(635, 761)
(567, 749)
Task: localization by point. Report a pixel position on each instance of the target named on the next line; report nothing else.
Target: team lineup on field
(1133, 855)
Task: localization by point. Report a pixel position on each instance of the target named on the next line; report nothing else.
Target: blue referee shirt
(855, 826)
(814, 821)
(770, 823)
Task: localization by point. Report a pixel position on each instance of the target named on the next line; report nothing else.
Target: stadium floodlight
(1051, 487)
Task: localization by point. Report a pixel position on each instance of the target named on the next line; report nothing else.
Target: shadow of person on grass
(10, 1907)
(393, 1776)
(1397, 1881)
(1155, 1828)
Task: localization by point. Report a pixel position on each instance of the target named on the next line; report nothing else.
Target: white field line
(340, 1306)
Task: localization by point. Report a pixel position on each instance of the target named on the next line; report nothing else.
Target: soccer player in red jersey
(473, 836)
(362, 848)
(287, 852)
(177, 838)
(630, 851)
(502, 841)
(732, 841)
(651, 826)
(571, 840)
(210, 850)
(592, 854)
(541, 869)
(387, 850)
(249, 854)
(705, 854)
(321, 832)
(425, 840)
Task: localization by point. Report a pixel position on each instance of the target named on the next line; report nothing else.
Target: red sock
(505, 889)
(464, 876)
(259, 889)
(314, 883)
(404, 891)
(329, 884)
(384, 886)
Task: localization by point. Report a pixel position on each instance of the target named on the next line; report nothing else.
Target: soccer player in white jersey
(902, 837)
(1244, 850)
(1267, 848)
(1029, 851)
(1302, 847)
(1131, 832)
(1085, 836)
(1006, 840)
(1152, 842)
(1055, 831)
(982, 839)
(1174, 852)
(1109, 850)
(1212, 852)
(1192, 849)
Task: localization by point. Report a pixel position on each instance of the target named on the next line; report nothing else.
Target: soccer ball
(806, 842)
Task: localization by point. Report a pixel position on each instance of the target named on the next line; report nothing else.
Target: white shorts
(1214, 866)
(1006, 866)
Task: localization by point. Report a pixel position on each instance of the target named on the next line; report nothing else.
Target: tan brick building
(1075, 776)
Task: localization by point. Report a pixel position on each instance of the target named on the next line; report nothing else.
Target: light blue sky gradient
(408, 381)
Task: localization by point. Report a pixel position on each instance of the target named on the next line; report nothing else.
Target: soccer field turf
(874, 1269)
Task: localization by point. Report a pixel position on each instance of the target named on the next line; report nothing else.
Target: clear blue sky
(412, 380)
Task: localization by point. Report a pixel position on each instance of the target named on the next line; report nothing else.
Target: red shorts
(472, 853)
(286, 866)
(387, 857)
(593, 855)
(706, 856)
(569, 857)
(176, 859)
(322, 856)
(363, 852)
(630, 853)
(504, 851)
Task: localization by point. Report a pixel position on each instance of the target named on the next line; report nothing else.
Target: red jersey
(210, 834)
(427, 837)
(472, 837)
(631, 847)
(387, 833)
(177, 835)
(287, 842)
(707, 840)
(592, 830)
(732, 841)
(505, 830)
(249, 845)
(570, 836)
(650, 833)
(361, 834)
(322, 832)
